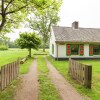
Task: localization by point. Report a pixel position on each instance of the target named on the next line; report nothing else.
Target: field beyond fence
(81, 72)
(8, 73)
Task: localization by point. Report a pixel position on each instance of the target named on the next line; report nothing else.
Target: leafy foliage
(42, 20)
(3, 47)
(3, 43)
(12, 44)
(29, 40)
(13, 12)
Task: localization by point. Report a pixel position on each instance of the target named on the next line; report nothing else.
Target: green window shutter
(68, 49)
(91, 50)
(81, 49)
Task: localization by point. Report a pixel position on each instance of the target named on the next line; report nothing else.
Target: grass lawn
(94, 93)
(24, 68)
(7, 57)
(8, 93)
(47, 89)
(10, 56)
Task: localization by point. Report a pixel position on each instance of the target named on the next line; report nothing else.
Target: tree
(42, 20)
(12, 44)
(12, 12)
(29, 41)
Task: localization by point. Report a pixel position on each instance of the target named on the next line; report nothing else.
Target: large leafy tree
(42, 20)
(29, 41)
(12, 12)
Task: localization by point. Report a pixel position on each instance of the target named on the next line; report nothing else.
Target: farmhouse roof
(68, 34)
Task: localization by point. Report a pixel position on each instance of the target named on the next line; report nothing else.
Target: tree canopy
(42, 20)
(12, 12)
(29, 41)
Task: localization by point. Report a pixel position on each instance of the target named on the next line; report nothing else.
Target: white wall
(86, 50)
(52, 41)
(62, 51)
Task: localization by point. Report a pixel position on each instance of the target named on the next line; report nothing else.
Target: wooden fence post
(69, 65)
(8, 73)
(0, 80)
(88, 76)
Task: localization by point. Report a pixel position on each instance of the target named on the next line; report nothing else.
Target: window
(52, 48)
(74, 49)
(96, 49)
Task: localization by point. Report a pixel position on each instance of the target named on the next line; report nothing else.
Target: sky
(86, 12)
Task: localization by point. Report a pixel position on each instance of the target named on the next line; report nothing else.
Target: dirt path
(66, 91)
(29, 86)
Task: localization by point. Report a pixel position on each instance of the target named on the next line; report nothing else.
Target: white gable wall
(52, 41)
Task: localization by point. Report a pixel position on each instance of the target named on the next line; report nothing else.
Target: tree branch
(8, 4)
(38, 5)
(2, 8)
(12, 21)
(16, 10)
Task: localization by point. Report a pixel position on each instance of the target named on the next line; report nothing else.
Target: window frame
(69, 49)
(94, 53)
(77, 49)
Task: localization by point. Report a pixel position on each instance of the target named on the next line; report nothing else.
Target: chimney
(75, 25)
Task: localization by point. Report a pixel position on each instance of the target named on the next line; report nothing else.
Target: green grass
(11, 55)
(8, 93)
(94, 93)
(7, 57)
(24, 68)
(47, 89)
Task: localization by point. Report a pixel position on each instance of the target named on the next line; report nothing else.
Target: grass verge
(9, 93)
(94, 93)
(9, 56)
(24, 68)
(47, 89)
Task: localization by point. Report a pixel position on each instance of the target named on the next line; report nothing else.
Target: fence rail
(80, 72)
(8, 73)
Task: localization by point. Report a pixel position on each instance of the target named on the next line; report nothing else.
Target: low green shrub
(3, 47)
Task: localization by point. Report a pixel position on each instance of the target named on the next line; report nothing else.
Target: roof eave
(77, 42)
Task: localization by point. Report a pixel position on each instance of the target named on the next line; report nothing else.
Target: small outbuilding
(75, 42)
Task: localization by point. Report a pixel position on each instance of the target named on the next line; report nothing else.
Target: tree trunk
(29, 52)
(2, 24)
(3, 16)
(44, 46)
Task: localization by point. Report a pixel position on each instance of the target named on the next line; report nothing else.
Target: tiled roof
(68, 34)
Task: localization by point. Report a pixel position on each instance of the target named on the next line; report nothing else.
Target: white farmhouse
(75, 42)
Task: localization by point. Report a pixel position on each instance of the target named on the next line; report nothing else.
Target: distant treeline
(6, 43)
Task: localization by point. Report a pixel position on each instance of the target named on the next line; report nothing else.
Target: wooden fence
(80, 72)
(8, 73)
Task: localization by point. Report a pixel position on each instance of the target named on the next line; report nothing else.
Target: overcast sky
(87, 12)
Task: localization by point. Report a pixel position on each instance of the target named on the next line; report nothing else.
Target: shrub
(3, 47)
